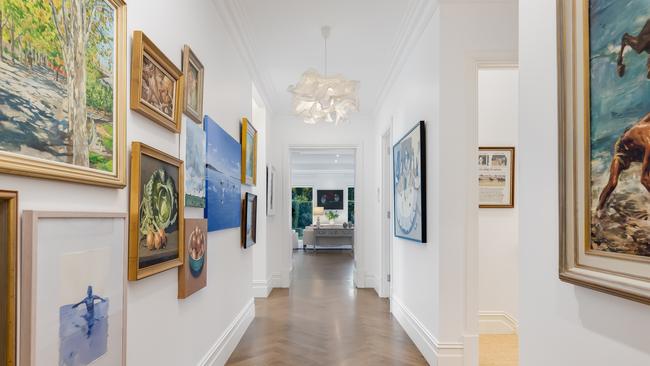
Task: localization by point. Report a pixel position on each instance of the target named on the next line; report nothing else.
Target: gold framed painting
(248, 153)
(64, 117)
(193, 72)
(155, 211)
(8, 278)
(604, 117)
(496, 177)
(156, 84)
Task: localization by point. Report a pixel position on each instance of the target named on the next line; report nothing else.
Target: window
(301, 208)
(351, 204)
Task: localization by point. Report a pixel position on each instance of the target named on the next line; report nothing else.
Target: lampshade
(319, 211)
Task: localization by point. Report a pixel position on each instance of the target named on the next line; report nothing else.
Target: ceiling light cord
(325, 57)
(325, 32)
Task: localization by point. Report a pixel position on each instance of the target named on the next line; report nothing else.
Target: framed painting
(248, 153)
(496, 177)
(410, 185)
(193, 72)
(156, 212)
(156, 84)
(604, 105)
(223, 178)
(73, 289)
(194, 165)
(64, 117)
(249, 224)
(192, 275)
(8, 276)
(271, 174)
(330, 199)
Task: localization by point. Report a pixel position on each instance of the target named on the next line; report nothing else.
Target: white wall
(161, 329)
(560, 324)
(326, 180)
(498, 107)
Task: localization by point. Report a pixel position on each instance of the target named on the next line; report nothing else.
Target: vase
(332, 222)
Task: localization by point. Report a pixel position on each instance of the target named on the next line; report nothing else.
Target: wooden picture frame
(154, 102)
(9, 275)
(249, 239)
(490, 174)
(192, 275)
(190, 63)
(248, 153)
(159, 167)
(36, 313)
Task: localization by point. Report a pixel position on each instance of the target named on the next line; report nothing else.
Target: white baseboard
(221, 350)
(496, 322)
(435, 352)
(262, 288)
(281, 279)
(369, 281)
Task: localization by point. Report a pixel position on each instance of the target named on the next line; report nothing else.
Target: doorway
(386, 216)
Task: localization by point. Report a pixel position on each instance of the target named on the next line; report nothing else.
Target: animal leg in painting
(639, 43)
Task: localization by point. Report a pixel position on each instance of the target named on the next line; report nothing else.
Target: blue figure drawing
(89, 301)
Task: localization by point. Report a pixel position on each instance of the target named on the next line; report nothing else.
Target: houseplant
(331, 215)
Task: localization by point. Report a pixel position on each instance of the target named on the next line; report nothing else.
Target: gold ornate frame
(9, 214)
(511, 150)
(189, 58)
(246, 129)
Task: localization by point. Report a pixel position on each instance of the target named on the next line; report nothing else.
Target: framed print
(194, 165)
(248, 153)
(271, 173)
(496, 177)
(192, 275)
(330, 199)
(249, 226)
(409, 183)
(73, 289)
(64, 117)
(193, 72)
(156, 212)
(8, 276)
(223, 178)
(604, 121)
(156, 84)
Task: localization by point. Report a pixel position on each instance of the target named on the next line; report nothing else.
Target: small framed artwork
(156, 212)
(73, 289)
(249, 226)
(192, 275)
(193, 72)
(8, 276)
(270, 190)
(248, 153)
(330, 199)
(496, 177)
(156, 84)
(194, 165)
(410, 185)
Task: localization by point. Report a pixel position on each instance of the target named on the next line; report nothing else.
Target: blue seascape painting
(223, 178)
(619, 125)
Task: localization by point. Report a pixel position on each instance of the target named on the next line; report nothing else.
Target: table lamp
(318, 212)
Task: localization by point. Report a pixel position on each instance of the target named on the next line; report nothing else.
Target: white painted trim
(369, 281)
(497, 322)
(262, 288)
(435, 352)
(358, 278)
(280, 279)
(221, 350)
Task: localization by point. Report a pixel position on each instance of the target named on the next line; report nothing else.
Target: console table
(328, 236)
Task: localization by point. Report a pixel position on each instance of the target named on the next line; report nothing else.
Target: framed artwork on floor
(156, 212)
(193, 72)
(496, 177)
(192, 275)
(604, 129)
(73, 296)
(194, 165)
(64, 118)
(331, 199)
(248, 153)
(271, 174)
(249, 226)
(8, 276)
(157, 85)
(410, 185)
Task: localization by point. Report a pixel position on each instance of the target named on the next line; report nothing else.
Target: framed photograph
(248, 153)
(271, 174)
(330, 199)
(156, 84)
(194, 165)
(64, 118)
(410, 185)
(8, 276)
(249, 226)
(156, 212)
(496, 177)
(193, 72)
(604, 129)
(192, 275)
(73, 289)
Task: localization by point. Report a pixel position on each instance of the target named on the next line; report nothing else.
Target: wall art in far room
(192, 275)
(330, 199)
(248, 153)
(195, 150)
(496, 177)
(271, 187)
(249, 226)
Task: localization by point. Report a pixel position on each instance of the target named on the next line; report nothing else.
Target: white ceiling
(285, 39)
(316, 160)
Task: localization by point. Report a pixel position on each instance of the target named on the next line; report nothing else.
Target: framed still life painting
(157, 85)
(249, 226)
(73, 293)
(156, 212)
(248, 153)
(64, 117)
(496, 177)
(409, 185)
(8, 277)
(604, 128)
(193, 72)
(192, 275)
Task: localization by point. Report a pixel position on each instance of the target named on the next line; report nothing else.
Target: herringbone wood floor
(324, 320)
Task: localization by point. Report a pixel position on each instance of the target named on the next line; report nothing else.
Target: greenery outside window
(351, 204)
(301, 208)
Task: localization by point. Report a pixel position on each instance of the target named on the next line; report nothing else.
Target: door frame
(386, 212)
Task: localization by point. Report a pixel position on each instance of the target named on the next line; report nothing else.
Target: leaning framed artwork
(157, 85)
(64, 117)
(271, 185)
(156, 212)
(496, 177)
(249, 218)
(248, 153)
(604, 128)
(192, 275)
(73, 288)
(193, 72)
(409, 185)
(8, 276)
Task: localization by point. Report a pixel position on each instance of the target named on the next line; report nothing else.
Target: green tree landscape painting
(57, 81)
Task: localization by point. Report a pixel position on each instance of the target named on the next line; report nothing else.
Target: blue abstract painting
(83, 330)
(223, 178)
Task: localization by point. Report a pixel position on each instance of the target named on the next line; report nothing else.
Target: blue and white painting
(410, 186)
(195, 151)
(619, 125)
(223, 178)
